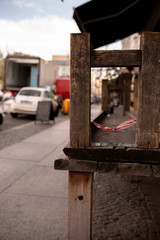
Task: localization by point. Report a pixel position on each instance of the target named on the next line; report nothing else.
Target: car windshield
(29, 92)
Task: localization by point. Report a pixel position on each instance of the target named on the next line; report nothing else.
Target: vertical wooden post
(149, 91)
(105, 95)
(80, 90)
(80, 183)
(126, 92)
(80, 202)
(135, 94)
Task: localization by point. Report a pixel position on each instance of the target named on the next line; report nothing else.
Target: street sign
(45, 111)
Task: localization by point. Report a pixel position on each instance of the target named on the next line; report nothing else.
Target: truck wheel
(14, 115)
(1, 119)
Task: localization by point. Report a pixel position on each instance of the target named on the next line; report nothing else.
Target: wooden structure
(83, 156)
(123, 90)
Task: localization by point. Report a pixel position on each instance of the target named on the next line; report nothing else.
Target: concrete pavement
(33, 196)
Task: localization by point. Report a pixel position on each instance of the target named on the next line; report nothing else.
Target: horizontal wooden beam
(110, 154)
(136, 169)
(75, 165)
(116, 87)
(116, 58)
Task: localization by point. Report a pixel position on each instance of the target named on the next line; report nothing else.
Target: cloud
(24, 3)
(41, 37)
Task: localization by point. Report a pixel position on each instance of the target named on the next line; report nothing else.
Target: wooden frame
(79, 205)
(80, 184)
(116, 58)
(82, 59)
(80, 90)
(149, 92)
(83, 159)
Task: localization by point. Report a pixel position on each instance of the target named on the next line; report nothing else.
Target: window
(48, 94)
(29, 92)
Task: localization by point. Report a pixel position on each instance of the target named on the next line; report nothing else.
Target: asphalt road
(14, 130)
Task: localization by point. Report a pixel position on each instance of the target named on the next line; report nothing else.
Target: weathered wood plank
(80, 205)
(125, 168)
(105, 95)
(116, 87)
(126, 92)
(80, 90)
(149, 89)
(156, 170)
(75, 165)
(136, 95)
(134, 169)
(137, 169)
(128, 155)
(116, 58)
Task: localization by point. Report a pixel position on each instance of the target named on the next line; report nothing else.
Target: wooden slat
(80, 204)
(138, 169)
(80, 90)
(125, 168)
(156, 170)
(116, 58)
(149, 92)
(75, 165)
(135, 94)
(105, 95)
(110, 154)
(126, 92)
(115, 87)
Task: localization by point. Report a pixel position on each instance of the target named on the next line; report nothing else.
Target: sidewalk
(33, 196)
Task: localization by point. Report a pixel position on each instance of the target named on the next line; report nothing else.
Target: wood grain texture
(149, 92)
(80, 90)
(80, 205)
(136, 95)
(125, 168)
(126, 92)
(110, 154)
(105, 95)
(75, 165)
(136, 169)
(116, 58)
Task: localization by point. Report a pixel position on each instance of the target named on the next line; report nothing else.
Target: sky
(39, 27)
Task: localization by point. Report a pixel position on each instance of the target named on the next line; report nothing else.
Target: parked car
(7, 105)
(26, 101)
(1, 116)
(7, 96)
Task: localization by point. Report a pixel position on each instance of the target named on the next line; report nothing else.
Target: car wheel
(1, 119)
(14, 115)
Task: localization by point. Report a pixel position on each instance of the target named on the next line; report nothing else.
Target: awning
(108, 21)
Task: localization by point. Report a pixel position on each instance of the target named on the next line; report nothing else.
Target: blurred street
(14, 130)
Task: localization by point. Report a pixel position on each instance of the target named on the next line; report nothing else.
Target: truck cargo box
(21, 72)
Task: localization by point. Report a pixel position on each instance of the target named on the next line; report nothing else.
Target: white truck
(28, 71)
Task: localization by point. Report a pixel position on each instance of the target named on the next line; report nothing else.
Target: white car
(26, 101)
(7, 96)
(7, 105)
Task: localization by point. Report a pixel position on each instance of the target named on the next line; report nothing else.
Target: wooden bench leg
(80, 205)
